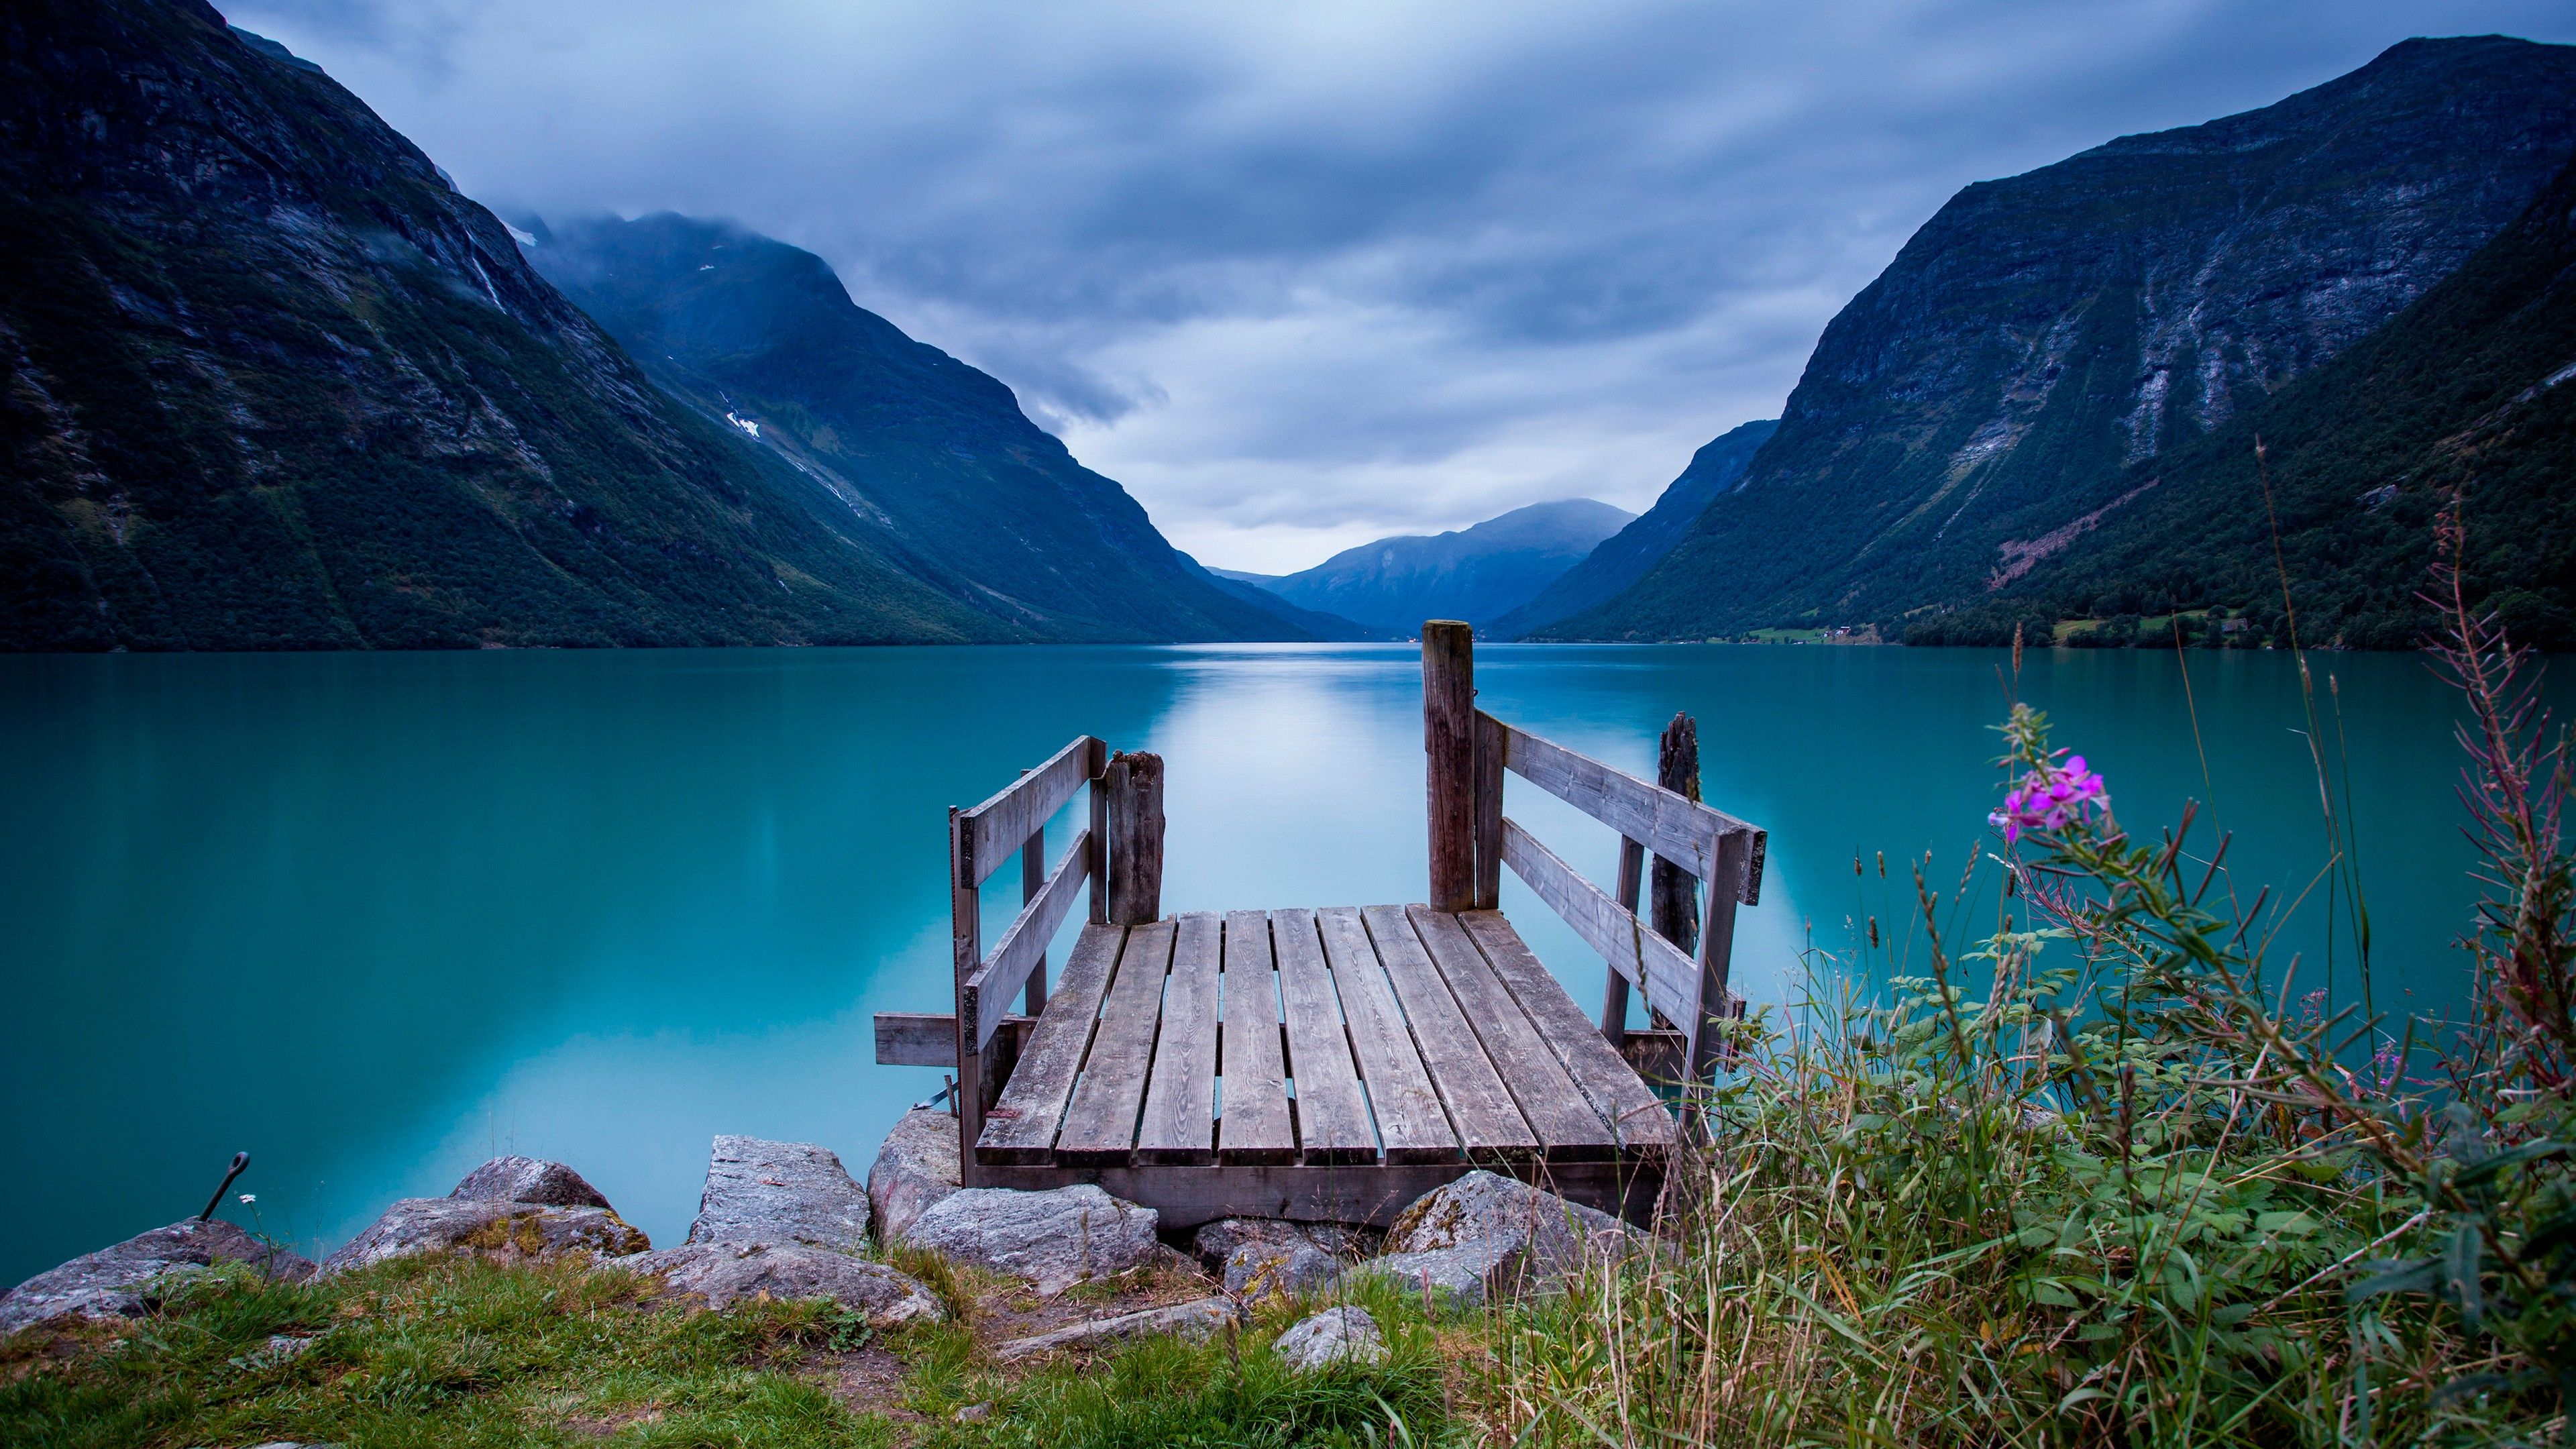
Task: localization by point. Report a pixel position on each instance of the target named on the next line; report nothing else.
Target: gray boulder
(724, 1272)
(916, 1167)
(1336, 1335)
(1256, 1271)
(1216, 1241)
(527, 1179)
(512, 1231)
(1054, 1239)
(1487, 1236)
(779, 1192)
(1201, 1319)
(117, 1281)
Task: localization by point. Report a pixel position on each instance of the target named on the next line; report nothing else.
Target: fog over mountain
(1303, 278)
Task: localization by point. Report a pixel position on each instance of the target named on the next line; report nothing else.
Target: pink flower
(2051, 797)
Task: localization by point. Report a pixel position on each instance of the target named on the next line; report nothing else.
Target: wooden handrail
(998, 827)
(984, 997)
(1672, 826)
(1670, 979)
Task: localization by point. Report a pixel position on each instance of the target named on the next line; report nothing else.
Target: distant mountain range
(267, 381)
(1477, 574)
(2048, 401)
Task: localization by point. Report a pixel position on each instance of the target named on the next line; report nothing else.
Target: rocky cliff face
(267, 381)
(1624, 557)
(762, 337)
(2044, 337)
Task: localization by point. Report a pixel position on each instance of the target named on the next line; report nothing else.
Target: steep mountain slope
(267, 382)
(1477, 574)
(1624, 557)
(2042, 335)
(763, 335)
(2469, 394)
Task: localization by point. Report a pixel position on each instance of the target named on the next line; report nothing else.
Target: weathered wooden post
(1096, 770)
(1135, 839)
(1489, 812)
(1033, 874)
(975, 1084)
(1674, 891)
(1449, 760)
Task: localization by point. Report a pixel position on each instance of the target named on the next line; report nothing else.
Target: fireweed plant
(2099, 1172)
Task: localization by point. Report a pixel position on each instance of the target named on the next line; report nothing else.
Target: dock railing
(1684, 980)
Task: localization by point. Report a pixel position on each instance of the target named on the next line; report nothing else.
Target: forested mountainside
(1624, 557)
(267, 381)
(2027, 366)
(1478, 574)
(761, 336)
(2469, 395)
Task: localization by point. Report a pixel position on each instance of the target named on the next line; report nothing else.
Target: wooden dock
(1334, 1064)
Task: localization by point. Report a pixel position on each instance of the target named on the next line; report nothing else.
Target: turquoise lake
(376, 917)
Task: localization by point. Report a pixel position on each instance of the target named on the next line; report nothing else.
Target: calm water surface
(376, 917)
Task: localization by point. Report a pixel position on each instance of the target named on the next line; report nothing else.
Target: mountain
(762, 337)
(1624, 557)
(2034, 351)
(1477, 574)
(2469, 394)
(267, 381)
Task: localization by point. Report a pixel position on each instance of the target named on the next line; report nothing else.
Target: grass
(457, 1352)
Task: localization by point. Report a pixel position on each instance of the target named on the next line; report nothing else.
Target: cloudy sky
(1302, 275)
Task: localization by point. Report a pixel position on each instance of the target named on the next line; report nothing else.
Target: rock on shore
(779, 1192)
(117, 1281)
(527, 1179)
(512, 1231)
(724, 1272)
(1486, 1236)
(916, 1167)
(1054, 1239)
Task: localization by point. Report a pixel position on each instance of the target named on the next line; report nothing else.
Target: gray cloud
(1303, 275)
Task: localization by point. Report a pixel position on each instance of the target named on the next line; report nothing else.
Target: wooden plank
(1180, 1094)
(1186, 1197)
(1332, 1115)
(995, 828)
(1559, 1114)
(978, 1084)
(1135, 784)
(1412, 1126)
(929, 1038)
(1254, 1126)
(986, 995)
(1449, 759)
(1658, 1055)
(1680, 830)
(1601, 1072)
(1669, 978)
(1100, 1123)
(1490, 1125)
(1489, 811)
(1022, 1126)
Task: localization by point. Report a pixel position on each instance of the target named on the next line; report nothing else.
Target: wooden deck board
(1560, 1114)
(1180, 1096)
(1331, 1111)
(1412, 1126)
(1490, 1125)
(1380, 1039)
(1100, 1125)
(1596, 1068)
(1021, 1127)
(1252, 1125)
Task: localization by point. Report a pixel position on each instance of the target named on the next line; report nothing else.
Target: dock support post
(1614, 995)
(966, 941)
(1097, 771)
(1135, 839)
(1676, 902)
(1489, 812)
(1449, 760)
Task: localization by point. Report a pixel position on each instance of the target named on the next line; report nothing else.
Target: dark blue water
(376, 917)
